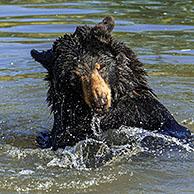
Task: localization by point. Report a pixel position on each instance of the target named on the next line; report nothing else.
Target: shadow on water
(128, 160)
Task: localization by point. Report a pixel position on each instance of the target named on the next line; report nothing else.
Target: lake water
(162, 35)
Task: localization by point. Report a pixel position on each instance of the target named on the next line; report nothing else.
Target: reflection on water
(161, 33)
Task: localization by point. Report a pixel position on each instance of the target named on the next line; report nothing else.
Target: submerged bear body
(91, 73)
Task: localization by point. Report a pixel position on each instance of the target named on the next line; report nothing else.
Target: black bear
(92, 74)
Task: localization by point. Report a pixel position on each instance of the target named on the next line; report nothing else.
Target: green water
(162, 35)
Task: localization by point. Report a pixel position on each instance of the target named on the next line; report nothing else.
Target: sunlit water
(162, 34)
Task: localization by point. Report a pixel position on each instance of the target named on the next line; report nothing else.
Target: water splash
(157, 139)
(116, 145)
(95, 126)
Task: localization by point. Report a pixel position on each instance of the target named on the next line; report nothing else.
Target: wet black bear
(91, 73)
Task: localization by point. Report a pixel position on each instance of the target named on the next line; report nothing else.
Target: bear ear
(110, 22)
(106, 24)
(45, 58)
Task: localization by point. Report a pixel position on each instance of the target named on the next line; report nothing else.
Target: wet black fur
(133, 102)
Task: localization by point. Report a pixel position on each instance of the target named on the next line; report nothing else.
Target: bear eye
(99, 66)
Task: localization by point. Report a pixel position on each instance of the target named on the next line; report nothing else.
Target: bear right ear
(45, 58)
(108, 23)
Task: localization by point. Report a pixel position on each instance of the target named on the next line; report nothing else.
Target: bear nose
(100, 103)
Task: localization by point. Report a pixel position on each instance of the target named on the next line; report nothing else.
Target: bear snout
(101, 101)
(96, 91)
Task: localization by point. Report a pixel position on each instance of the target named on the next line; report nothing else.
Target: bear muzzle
(96, 91)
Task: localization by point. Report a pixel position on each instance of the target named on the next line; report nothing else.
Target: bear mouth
(96, 91)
